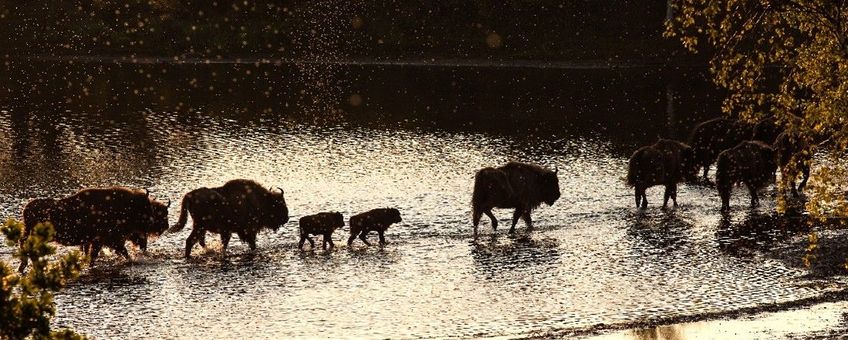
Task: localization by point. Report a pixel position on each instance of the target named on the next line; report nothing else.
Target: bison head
(159, 217)
(394, 215)
(338, 220)
(550, 187)
(279, 214)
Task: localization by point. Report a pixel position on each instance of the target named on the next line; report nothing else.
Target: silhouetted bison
(239, 206)
(767, 130)
(667, 163)
(751, 163)
(373, 220)
(711, 137)
(514, 185)
(98, 217)
(324, 223)
(791, 147)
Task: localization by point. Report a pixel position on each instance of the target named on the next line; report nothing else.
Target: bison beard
(240, 206)
(98, 217)
(515, 185)
(667, 163)
(751, 163)
(319, 224)
(373, 220)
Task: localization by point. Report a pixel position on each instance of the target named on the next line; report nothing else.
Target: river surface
(354, 138)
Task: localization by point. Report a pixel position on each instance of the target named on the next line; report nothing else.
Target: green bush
(26, 301)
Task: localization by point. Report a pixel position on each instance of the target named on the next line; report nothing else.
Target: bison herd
(110, 217)
(744, 154)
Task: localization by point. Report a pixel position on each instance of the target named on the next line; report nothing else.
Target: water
(414, 143)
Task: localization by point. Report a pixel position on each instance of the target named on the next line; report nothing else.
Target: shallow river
(593, 258)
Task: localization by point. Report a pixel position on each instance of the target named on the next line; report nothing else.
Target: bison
(667, 163)
(240, 206)
(791, 147)
(373, 220)
(324, 223)
(97, 217)
(751, 163)
(515, 185)
(711, 137)
(767, 130)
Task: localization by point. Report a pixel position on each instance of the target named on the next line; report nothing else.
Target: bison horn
(556, 170)
(169, 204)
(281, 190)
(146, 192)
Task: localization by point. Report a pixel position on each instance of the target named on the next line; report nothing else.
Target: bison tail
(632, 171)
(181, 222)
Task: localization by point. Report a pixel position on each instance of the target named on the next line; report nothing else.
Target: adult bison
(97, 217)
(377, 220)
(515, 185)
(793, 155)
(667, 163)
(751, 163)
(767, 130)
(240, 206)
(711, 137)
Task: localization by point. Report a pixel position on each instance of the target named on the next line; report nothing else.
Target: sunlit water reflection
(593, 258)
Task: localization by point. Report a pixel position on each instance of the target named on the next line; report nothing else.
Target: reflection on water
(414, 143)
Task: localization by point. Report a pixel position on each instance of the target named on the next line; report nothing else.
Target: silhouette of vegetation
(783, 58)
(26, 300)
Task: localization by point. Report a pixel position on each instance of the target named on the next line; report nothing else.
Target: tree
(26, 301)
(785, 58)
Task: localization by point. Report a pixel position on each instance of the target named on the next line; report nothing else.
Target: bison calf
(751, 163)
(374, 220)
(667, 163)
(324, 223)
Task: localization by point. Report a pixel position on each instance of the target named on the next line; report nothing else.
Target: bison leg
(95, 251)
(121, 249)
(805, 171)
(492, 217)
(196, 233)
(225, 241)
(311, 242)
(527, 219)
(363, 235)
(251, 241)
(201, 239)
(328, 238)
(475, 217)
(638, 196)
(515, 216)
(382, 235)
(706, 172)
(755, 200)
(22, 267)
(351, 238)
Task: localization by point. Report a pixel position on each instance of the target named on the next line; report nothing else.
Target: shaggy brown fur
(98, 217)
(240, 206)
(324, 223)
(373, 220)
(667, 163)
(515, 185)
(711, 137)
(751, 163)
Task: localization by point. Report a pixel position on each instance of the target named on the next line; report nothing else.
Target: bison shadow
(493, 257)
(759, 232)
(664, 232)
